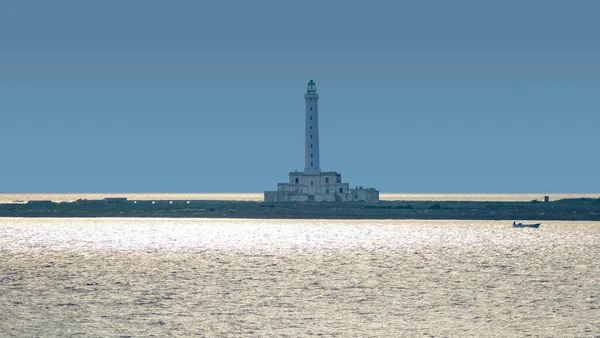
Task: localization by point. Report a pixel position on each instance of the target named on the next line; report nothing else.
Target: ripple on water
(297, 277)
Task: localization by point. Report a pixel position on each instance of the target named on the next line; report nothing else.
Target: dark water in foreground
(206, 277)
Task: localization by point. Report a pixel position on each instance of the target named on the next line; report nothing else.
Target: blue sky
(207, 96)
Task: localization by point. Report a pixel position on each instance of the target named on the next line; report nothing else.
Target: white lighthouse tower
(314, 185)
(311, 153)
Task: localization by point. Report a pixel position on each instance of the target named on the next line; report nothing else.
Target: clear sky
(207, 96)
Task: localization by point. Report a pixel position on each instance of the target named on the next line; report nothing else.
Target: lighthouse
(311, 144)
(312, 184)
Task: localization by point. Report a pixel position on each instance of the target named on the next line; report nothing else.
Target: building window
(310, 127)
(311, 118)
(326, 179)
(341, 190)
(311, 146)
(296, 180)
(310, 108)
(310, 154)
(327, 191)
(311, 164)
(311, 137)
(311, 182)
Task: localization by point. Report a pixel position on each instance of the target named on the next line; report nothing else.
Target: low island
(580, 209)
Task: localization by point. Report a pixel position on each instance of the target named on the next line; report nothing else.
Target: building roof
(320, 173)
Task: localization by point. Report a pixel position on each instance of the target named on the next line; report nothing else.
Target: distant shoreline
(580, 209)
(258, 197)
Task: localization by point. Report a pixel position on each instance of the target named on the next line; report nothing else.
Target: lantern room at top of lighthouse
(311, 88)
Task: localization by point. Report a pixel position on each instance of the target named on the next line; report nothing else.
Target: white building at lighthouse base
(319, 187)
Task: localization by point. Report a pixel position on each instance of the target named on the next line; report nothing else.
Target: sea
(258, 197)
(131, 277)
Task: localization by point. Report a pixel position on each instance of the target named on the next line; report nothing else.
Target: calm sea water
(10, 198)
(235, 277)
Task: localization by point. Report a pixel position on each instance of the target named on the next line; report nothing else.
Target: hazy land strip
(582, 209)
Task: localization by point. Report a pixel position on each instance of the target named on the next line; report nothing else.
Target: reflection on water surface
(137, 277)
(258, 197)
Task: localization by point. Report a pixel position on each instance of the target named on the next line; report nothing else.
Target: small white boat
(522, 225)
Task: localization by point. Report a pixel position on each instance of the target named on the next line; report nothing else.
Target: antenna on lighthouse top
(311, 88)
